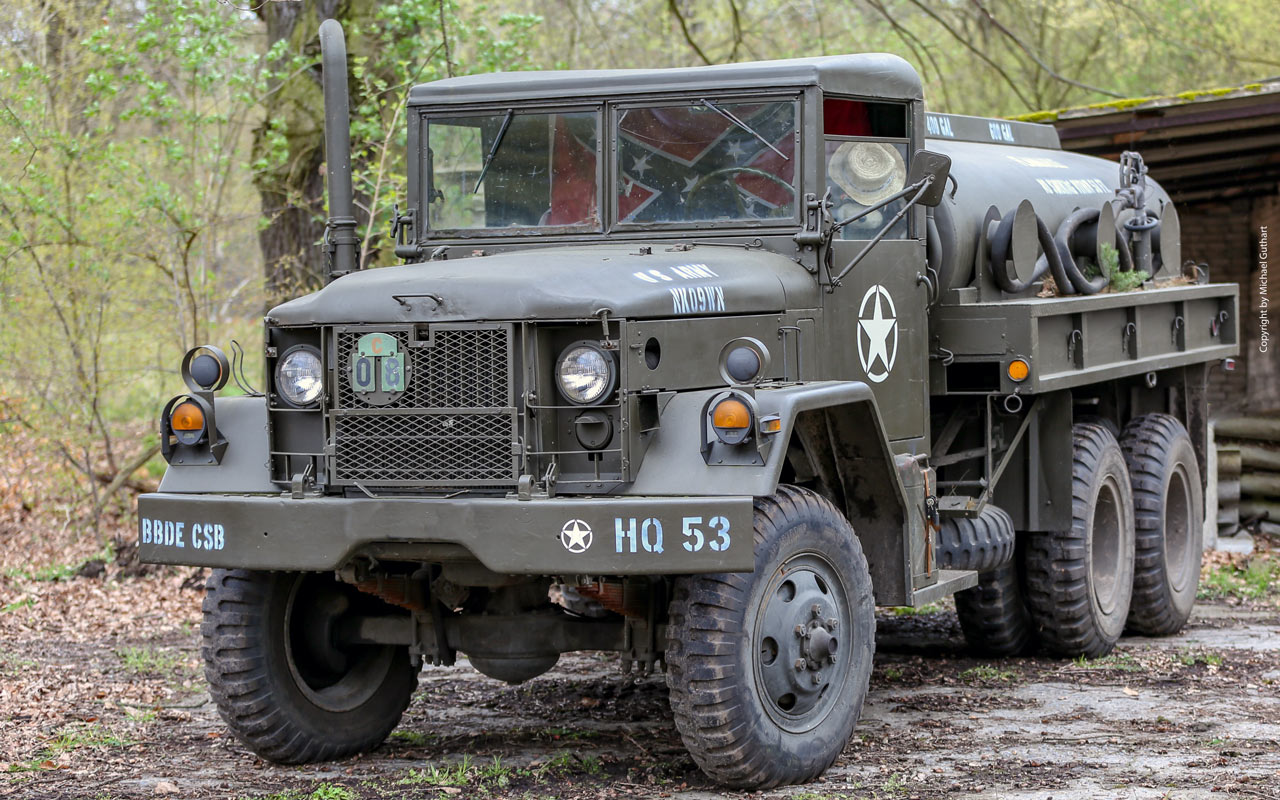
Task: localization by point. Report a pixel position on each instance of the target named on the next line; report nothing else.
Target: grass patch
(67, 740)
(26, 602)
(450, 775)
(1114, 661)
(10, 663)
(908, 611)
(1257, 579)
(149, 661)
(1190, 658)
(985, 673)
(496, 775)
(331, 791)
(60, 572)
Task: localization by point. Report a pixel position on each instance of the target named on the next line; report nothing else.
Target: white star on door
(881, 331)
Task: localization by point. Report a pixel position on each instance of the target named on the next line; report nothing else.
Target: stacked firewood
(1248, 473)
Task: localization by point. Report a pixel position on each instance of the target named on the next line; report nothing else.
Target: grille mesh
(453, 426)
(462, 449)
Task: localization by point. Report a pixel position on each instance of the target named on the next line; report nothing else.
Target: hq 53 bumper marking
(648, 534)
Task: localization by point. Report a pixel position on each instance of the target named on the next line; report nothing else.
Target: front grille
(447, 449)
(454, 424)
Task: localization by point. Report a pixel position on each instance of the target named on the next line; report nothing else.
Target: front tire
(1169, 516)
(281, 684)
(768, 671)
(1079, 581)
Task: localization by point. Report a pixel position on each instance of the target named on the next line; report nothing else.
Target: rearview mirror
(925, 164)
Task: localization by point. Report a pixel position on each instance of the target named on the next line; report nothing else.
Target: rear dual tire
(1079, 581)
(1168, 513)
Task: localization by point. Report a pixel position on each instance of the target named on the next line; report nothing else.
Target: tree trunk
(292, 188)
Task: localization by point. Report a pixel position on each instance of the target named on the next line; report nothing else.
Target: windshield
(706, 161)
(514, 170)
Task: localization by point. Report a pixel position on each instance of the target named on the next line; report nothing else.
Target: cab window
(866, 153)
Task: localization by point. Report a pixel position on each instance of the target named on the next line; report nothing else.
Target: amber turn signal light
(187, 417)
(731, 414)
(1019, 370)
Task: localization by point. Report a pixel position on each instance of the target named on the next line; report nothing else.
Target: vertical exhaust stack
(340, 235)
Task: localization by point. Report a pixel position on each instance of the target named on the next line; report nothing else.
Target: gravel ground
(101, 696)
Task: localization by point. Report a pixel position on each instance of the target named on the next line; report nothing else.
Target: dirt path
(101, 696)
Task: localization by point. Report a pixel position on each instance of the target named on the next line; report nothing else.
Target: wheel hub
(803, 619)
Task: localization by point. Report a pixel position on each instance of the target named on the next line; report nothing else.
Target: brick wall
(1222, 235)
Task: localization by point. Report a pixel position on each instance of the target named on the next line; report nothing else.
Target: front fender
(673, 464)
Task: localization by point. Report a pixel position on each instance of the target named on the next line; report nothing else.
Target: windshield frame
(608, 111)
(421, 145)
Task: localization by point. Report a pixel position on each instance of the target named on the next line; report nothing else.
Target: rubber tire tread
(247, 691)
(1148, 443)
(719, 719)
(994, 616)
(979, 543)
(1056, 563)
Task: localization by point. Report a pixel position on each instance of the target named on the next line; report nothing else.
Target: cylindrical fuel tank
(1002, 175)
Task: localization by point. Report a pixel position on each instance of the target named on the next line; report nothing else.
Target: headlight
(300, 376)
(585, 373)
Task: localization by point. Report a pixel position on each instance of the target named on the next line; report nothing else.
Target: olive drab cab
(697, 366)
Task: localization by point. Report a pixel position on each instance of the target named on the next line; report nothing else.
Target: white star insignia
(641, 165)
(575, 536)
(736, 150)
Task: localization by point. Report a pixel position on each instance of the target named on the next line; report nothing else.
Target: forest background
(161, 165)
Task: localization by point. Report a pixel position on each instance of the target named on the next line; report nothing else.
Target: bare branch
(674, 8)
(1039, 62)
(964, 40)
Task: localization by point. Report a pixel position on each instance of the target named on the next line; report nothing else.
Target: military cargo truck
(698, 366)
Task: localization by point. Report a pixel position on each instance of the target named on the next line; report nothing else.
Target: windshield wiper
(742, 125)
(493, 149)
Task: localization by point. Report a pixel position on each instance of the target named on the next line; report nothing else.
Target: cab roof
(877, 75)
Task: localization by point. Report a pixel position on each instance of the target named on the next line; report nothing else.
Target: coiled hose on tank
(1058, 256)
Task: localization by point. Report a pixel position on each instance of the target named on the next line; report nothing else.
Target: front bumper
(563, 535)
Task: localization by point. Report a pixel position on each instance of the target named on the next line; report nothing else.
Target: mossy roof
(1152, 102)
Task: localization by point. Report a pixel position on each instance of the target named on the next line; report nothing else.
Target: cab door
(878, 331)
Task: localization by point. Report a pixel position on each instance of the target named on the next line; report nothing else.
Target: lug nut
(832, 658)
(816, 610)
(800, 664)
(801, 631)
(817, 678)
(832, 622)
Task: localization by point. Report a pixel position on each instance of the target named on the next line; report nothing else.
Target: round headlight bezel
(610, 378)
(292, 352)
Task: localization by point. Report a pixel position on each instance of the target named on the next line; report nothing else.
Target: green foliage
(121, 214)
(1129, 280)
(1257, 579)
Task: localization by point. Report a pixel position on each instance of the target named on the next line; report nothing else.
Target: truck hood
(561, 283)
